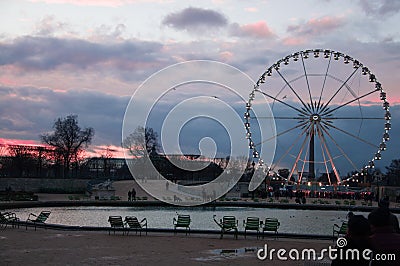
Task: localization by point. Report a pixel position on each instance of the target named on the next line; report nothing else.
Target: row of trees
(63, 155)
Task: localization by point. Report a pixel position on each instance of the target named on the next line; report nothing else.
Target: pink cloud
(259, 29)
(316, 26)
(226, 55)
(294, 41)
(251, 9)
(7, 81)
(19, 142)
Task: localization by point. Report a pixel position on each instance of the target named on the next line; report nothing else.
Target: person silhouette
(384, 239)
(129, 195)
(133, 194)
(358, 232)
(384, 204)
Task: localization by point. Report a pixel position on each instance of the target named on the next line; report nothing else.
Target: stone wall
(44, 185)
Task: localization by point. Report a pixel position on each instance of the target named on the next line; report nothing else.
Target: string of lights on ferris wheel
(317, 117)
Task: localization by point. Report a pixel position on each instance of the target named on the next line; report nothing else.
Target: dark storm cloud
(192, 18)
(27, 112)
(44, 53)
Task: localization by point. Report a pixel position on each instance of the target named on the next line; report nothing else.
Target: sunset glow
(61, 57)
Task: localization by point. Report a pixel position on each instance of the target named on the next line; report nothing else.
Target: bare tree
(142, 142)
(68, 139)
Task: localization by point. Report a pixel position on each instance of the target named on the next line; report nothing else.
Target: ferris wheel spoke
(339, 147)
(279, 117)
(283, 132)
(344, 83)
(323, 84)
(308, 84)
(351, 135)
(349, 102)
(334, 78)
(325, 161)
(305, 156)
(298, 156)
(290, 148)
(295, 93)
(282, 102)
(349, 89)
(345, 96)
(280, 91)
(355, 118)
(322, 138)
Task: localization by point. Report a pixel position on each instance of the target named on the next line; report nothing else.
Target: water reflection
(319, 222)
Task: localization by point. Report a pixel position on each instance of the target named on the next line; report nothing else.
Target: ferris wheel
(331, 116)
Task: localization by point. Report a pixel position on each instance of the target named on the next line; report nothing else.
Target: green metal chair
(227, 224)
(182, 221)
(340, 230)
(133, 223)
(38, 219)
(271, 225)
(252, 223)
(116, 223)
(8, 218)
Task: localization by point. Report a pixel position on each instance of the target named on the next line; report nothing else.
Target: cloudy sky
(87, 57)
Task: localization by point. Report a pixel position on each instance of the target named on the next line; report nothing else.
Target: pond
(316, 222)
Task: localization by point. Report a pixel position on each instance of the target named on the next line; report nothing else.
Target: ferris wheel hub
(315, 117)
